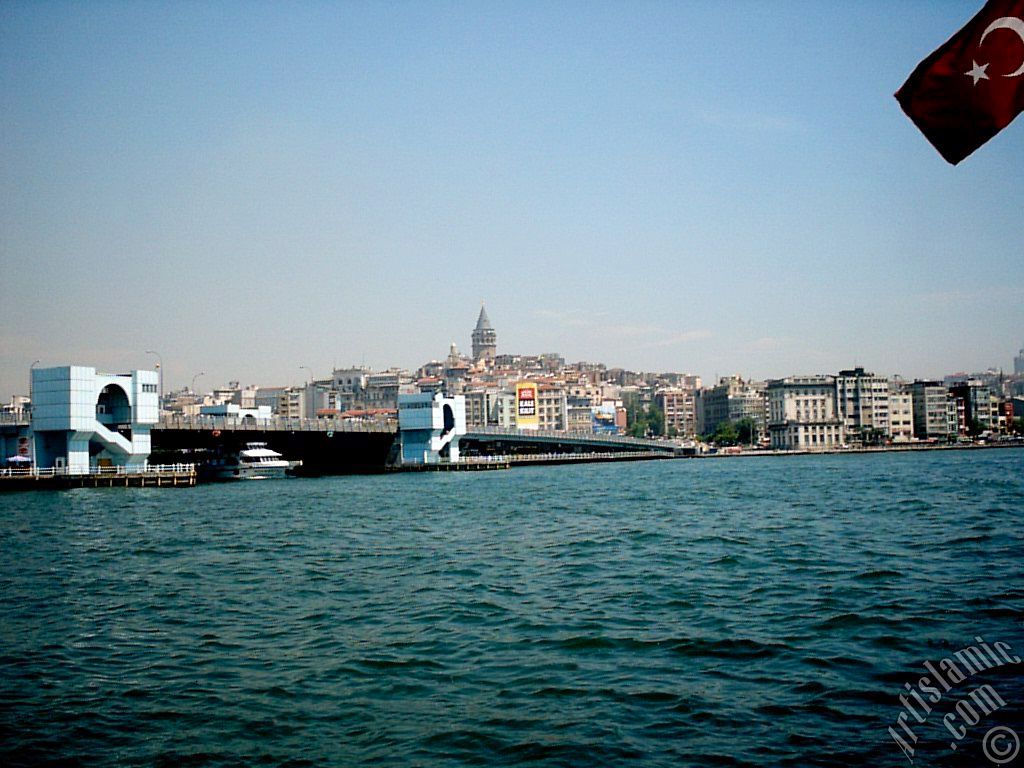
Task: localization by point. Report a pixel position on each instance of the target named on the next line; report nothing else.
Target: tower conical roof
(483, 323)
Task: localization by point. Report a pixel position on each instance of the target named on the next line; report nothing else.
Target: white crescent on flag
(1006, 22)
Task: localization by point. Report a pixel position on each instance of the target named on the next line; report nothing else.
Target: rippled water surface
(725, 612)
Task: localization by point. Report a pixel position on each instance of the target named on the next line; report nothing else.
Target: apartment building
(680, 409)
(932, 418)
(862, 400)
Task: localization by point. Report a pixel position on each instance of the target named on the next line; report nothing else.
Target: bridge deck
(581, 439)
(221, 423)
(479, 434)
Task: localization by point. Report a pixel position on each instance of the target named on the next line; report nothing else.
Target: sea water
(735, 611)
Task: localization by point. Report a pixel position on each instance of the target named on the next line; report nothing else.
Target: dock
(59, 479)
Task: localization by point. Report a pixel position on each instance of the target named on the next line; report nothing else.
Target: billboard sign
(527, 416)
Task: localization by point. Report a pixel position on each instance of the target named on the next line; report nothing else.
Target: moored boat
(254, 462)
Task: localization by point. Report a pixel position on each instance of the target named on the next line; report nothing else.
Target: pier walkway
(150, 475)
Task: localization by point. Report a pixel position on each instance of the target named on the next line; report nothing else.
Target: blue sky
(694, 186)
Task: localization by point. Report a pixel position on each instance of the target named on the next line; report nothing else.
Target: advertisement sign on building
(527, 416)
(604, 420)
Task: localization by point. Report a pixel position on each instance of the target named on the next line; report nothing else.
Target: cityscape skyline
(251, 191)
(203, 381)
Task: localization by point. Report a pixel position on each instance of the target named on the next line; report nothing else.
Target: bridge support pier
(429, 428)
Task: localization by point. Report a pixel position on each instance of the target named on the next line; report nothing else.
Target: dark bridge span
(328, 448)
(323, 448)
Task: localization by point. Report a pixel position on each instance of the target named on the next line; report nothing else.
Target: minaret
(485, 340)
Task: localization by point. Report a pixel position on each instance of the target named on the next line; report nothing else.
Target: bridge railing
(577, 435)
(276, 424)
(536, 458)
(526, 458)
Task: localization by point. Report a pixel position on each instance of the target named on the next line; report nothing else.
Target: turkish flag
(973, 86)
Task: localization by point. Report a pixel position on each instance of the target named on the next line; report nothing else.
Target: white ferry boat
(254, 462)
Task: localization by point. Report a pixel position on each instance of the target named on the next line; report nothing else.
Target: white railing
(588, 456)
(149, 470)
(518, 458)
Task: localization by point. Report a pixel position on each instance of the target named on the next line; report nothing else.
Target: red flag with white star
(973, 86)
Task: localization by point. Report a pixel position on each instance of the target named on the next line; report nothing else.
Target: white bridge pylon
(430, 427)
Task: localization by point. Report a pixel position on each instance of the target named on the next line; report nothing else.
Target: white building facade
(802, 414)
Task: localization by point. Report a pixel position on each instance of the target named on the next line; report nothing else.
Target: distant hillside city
(853, 407)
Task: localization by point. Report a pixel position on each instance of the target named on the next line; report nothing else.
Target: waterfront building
(862, 400)
(901, 414)
(485, 339)
(83, 419)
(981, 407)
(1017, 406)
(1006, 416)
(934, 415)
(956, 415)
(803, 414)
(731, 399)
(679, 407)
